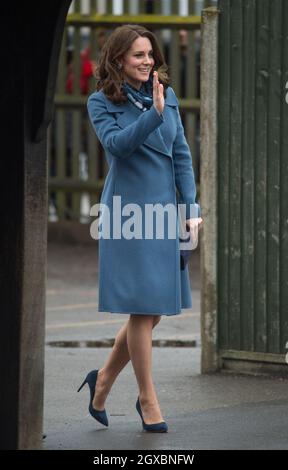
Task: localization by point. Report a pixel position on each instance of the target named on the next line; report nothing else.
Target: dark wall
(30, 39)
(252, 178)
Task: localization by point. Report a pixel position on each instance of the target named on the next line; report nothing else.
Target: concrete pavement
(203, 412)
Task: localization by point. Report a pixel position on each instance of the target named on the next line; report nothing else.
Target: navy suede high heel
(91, 380)
(157, 427)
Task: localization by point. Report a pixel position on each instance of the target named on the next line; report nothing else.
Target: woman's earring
(119, 66)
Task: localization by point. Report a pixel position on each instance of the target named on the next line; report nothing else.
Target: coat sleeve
(184, 174)
(121, 142)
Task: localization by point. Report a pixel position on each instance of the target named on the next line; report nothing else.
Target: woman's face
(138, 62)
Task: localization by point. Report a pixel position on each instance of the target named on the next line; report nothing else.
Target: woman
(136, 118)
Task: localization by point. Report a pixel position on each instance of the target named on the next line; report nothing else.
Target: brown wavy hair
(108, 77)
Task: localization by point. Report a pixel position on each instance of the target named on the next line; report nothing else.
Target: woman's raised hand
(158, 93)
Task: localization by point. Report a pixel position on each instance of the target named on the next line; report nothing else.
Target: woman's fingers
(195, 223)
(154, 78)
(158, 92)
(156, 82)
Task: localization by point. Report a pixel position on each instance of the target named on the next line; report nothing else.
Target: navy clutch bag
(184, 253)
(186, 246)
(188, 240)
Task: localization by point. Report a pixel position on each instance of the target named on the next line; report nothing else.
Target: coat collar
(129, 113)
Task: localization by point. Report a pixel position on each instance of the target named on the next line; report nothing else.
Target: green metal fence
(77, 167)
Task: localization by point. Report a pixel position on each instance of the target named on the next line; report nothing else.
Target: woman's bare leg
(139, 340)
(117, 360)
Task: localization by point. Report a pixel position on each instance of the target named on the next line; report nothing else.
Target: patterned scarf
(143, 98)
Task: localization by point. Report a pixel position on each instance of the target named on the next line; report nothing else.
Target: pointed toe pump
(91, 380)
(157, 427)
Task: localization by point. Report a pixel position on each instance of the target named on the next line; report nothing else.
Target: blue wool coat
(149, 162)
